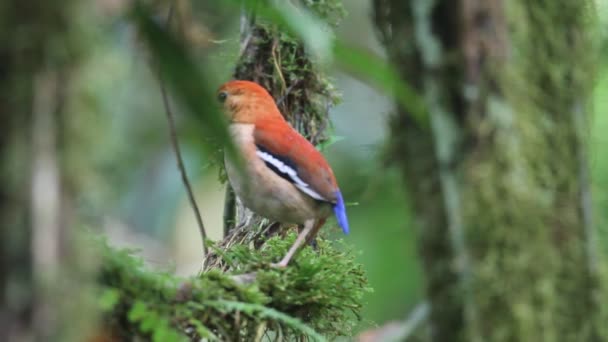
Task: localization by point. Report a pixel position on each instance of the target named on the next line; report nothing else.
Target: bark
(499, 176)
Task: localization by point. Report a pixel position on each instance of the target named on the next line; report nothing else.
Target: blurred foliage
(188, 81)
(382, 232)
(322, 290)
(331, 11)
(383, 75)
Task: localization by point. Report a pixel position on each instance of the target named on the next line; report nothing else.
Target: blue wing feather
(340, 211)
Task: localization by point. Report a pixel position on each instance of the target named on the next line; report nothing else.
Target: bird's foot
(281, 264)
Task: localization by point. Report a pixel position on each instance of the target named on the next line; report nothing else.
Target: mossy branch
(317, 297)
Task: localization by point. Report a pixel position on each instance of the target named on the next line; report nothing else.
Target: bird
(282, 176)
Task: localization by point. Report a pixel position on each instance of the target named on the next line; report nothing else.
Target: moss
(523, 185)
(534, 275)
(318, 295)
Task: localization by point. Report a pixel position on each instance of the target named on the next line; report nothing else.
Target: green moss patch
(318, 296)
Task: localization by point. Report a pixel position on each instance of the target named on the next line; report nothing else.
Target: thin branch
(288, 91)
(246, 32)
(178, 154)
(414, 320)
(398, 331)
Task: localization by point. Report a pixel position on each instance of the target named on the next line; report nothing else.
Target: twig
(245, 38)
(417, 317)
(398, 331)
(275, 62)
(288, 91)
(178, 154)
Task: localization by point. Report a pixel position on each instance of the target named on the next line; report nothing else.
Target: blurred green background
(132, 186)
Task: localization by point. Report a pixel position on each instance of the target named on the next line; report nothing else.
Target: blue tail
(340, 212)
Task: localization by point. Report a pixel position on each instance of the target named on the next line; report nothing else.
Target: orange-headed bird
(284, 178)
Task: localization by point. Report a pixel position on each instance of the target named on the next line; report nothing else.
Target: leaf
(164, 333)
(315, 34)
(373, 68)
(332, 140)
(137, 312)
(108, 299)
(189, 83)
(202, 330)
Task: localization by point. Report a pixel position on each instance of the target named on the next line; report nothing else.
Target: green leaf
(164, 333)
(138, 310)
(332, 140)
(315, 34)
(108, 299)
(188, 82)
(202, 330)
(379, 72)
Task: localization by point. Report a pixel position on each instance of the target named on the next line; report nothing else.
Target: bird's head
(247, 102)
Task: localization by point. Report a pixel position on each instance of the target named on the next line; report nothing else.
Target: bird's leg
(311, 239)
(308, 227)
(311, 242)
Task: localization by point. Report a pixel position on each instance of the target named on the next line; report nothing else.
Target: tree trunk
(499, 174)
(35, 57)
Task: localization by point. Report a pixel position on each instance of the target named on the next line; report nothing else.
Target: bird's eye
(222, 96)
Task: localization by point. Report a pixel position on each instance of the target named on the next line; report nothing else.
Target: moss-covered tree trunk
(282, 65)
(498, 174)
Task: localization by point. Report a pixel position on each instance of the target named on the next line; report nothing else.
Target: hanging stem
(178, 154)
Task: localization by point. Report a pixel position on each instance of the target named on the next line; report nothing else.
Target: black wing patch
(286, 169)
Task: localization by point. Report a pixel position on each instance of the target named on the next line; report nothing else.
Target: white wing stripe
(293, 175)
